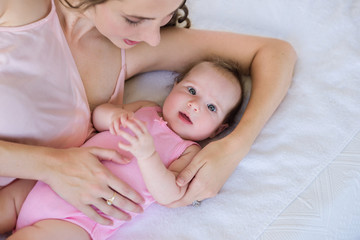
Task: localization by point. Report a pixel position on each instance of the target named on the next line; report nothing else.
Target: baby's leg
(51, 229)
(11, 199)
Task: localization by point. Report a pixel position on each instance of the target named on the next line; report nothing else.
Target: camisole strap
(117, 97)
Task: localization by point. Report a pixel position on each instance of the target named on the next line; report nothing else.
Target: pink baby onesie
(43, 203)
(43, 101)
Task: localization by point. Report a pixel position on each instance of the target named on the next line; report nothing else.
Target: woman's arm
(73, 174)
(269, 62)
(181, 47)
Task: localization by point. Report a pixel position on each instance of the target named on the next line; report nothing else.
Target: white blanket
(319, 116)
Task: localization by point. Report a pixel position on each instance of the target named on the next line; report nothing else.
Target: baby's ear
(221, 128)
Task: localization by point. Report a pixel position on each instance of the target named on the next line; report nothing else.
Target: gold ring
(110, 201)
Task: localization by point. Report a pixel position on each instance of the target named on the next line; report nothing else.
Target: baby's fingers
(125, 117)
(114, 126)
(141, 125)
(125, 147)
(127, 136)
(137, 127)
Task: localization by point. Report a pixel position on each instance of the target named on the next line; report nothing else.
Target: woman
(59, 57)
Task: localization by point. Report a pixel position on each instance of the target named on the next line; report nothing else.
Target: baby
(158, 143)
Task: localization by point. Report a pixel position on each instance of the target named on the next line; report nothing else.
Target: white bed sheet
(293, 184)
(280, 184)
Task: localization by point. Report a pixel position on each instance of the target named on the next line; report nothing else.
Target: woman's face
(129, 22)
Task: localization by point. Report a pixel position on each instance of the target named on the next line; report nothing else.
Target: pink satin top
(42, 97)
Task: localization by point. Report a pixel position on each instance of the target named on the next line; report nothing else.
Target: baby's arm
(164, 188)
(160, 181)
(109, 116)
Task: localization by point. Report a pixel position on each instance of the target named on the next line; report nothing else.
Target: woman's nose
(193, 106)
(152, 35)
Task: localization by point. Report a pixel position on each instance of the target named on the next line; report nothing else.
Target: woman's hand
(203, 175)
(78, 176)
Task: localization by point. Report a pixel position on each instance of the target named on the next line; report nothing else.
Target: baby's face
(197, 106)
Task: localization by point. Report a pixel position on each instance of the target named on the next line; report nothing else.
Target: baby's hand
(141, 145)
(118, 119)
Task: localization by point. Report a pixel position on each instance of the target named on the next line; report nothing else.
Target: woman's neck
(75, 23)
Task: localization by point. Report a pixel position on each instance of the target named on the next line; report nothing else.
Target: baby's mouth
(185, 118)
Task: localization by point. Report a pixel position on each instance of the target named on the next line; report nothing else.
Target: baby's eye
(211, 107)
(192, 90)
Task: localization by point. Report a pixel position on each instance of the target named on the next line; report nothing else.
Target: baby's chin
(188, 135)
(192, 137)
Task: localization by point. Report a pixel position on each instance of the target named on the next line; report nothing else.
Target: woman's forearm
(271, 74)
(22, 161)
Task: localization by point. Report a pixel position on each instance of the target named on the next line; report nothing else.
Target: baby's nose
(193, 106)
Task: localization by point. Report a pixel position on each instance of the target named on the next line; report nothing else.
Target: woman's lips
(185, 118)
(129, 42)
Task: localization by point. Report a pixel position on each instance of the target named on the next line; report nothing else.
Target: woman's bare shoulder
(21, 12)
